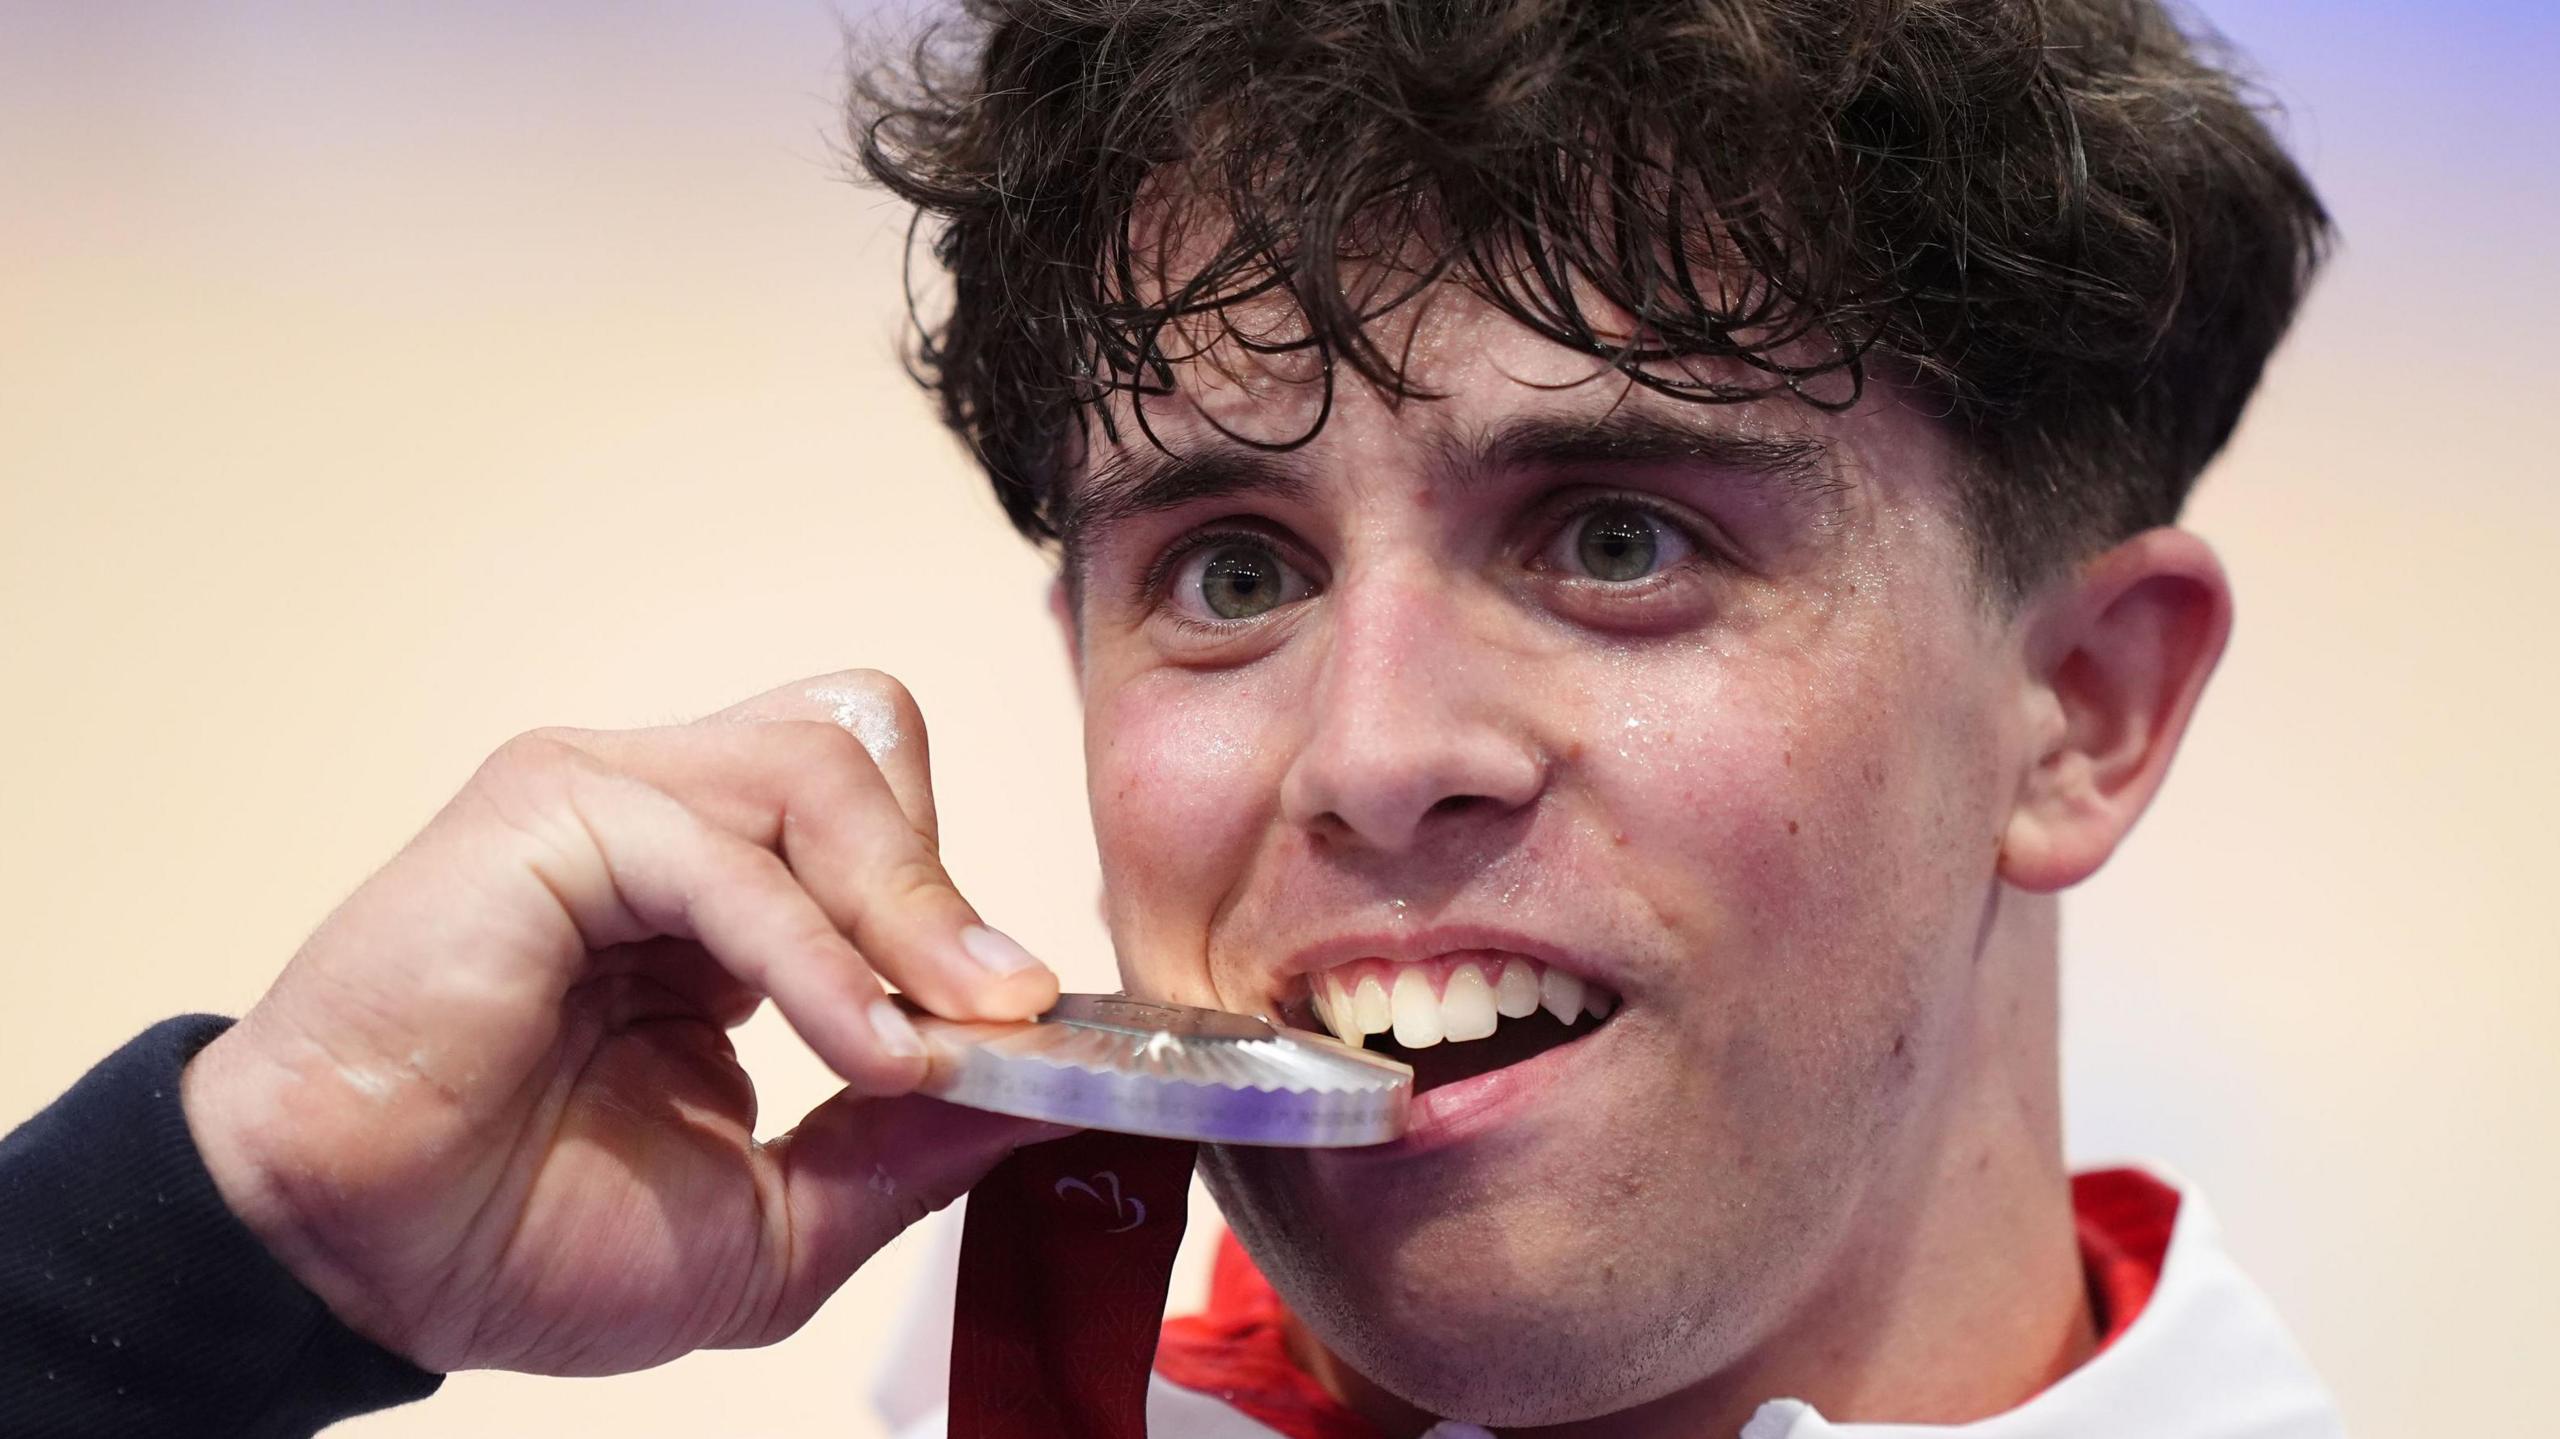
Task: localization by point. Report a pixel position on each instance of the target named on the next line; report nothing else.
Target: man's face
(1695, 705)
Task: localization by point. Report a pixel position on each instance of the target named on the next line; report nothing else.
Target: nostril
(1337, 826)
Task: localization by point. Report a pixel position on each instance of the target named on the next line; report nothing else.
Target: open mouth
(1456, 1016)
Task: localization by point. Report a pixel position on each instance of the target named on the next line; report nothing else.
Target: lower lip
(1454, 1113)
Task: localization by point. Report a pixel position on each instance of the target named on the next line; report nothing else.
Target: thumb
(857, 1171)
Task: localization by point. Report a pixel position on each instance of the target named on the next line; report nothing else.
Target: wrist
(211, 1098)
(226, 1097)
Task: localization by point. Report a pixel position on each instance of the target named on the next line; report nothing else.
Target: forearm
(133, 1303)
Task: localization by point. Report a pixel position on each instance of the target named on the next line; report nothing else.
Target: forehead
(1244, 378)
(1245, 410)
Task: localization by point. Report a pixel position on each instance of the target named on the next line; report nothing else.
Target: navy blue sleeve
(133, 1304)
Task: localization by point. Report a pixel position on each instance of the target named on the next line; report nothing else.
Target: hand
(490, 1113)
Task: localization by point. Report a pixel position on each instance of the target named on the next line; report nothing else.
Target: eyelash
(1706, 544)
(1152, 586)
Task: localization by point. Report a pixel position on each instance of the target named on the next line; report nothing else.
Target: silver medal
(1100, 1061)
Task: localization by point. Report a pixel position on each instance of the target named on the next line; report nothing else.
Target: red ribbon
(1064, 1261)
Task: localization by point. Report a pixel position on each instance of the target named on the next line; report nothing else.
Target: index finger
(875, 709)
(881, 879)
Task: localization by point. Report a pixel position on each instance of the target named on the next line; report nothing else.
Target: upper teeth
(1428, 1002)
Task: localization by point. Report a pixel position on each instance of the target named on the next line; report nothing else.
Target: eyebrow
(1143, 481)
(1794, 463)
(1137, 482)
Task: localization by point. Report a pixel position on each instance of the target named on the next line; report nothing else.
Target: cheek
(1180, 776)
(1707, 790)
(1810, 827)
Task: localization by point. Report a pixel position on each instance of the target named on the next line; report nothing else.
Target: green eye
(1238, 582)
(1230, 579)
(1618, 544)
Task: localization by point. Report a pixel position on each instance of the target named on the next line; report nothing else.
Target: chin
(1499, 1300)
(1453, 1329)
(1550, 1367)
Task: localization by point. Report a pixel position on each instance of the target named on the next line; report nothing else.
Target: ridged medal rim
(1229, 1080)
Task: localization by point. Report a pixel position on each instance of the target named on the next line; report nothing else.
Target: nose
(1413, 721)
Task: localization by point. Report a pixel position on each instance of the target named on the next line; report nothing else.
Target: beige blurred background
(377, 382)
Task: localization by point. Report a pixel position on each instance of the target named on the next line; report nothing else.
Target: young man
(1622, 550)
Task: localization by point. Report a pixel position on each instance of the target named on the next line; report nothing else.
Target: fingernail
(898, 1038)
(995, 952)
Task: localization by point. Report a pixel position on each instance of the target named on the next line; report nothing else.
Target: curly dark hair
(2064, 221)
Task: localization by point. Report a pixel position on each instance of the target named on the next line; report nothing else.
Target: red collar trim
(1235, 1350)
(2125, 1218)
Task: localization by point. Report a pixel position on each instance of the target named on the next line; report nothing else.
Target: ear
(1062, 613)
(2116, 659)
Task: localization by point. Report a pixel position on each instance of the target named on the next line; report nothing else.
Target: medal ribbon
(1065, 1257)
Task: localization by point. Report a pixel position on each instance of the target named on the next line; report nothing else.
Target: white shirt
(2206, 1358)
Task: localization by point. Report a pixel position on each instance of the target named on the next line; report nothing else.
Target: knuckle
(531, 768)
(821, 769)
(874, 705)
(893, 693)
(537, 749)
(914, 879)
(879, 684)
(815, 936)
(750, 873)
(818, 743)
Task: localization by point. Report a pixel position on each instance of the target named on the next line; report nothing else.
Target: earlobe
(2118, 657)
